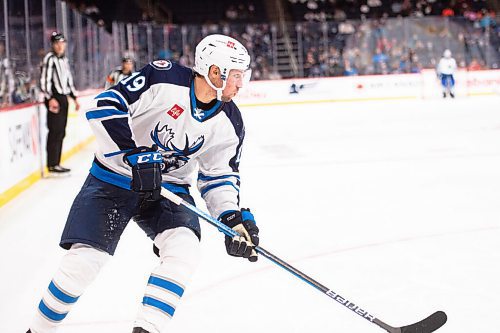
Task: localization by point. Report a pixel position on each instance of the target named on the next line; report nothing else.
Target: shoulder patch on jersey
(164, 65)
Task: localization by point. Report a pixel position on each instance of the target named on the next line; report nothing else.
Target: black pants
(56, 123)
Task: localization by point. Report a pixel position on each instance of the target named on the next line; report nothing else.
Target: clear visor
(240, 78)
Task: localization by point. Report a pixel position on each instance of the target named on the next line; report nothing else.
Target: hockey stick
(427, 325)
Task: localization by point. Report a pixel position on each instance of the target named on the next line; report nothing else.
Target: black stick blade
(428, 325)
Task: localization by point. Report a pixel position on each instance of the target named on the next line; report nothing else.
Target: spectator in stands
(404, 65)
(6, 78)
(349, 70)
(415, 66)
(380, 60)
(335, 63)
(339, 15)
(487, 19)
(22, 91)
(396, 7)
(231, 13)
(310, 65)
(474, 65)
(448, 11)
(242, 11)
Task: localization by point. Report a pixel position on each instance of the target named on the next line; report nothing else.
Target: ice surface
(393, 205)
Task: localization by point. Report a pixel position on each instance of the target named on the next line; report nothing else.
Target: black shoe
(58, 169)
(65, 169)
(139, 330)
(444, 95)
(452, 95)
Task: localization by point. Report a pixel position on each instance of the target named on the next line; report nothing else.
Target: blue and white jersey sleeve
(109, 116)
(218, 178)
(109, 119)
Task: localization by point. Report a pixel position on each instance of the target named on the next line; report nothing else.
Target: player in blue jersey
(160, 127)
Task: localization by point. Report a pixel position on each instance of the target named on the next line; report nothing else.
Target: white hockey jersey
(447, 66)
(157, 106)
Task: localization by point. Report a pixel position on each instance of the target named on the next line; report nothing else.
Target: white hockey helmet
(224, 52)
(447, 53)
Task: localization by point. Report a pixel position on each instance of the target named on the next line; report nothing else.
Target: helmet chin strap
(218, 90)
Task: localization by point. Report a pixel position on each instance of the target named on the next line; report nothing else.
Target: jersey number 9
(134, 82)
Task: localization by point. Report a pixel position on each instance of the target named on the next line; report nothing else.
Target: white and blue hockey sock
(179, 256)
(77, 270)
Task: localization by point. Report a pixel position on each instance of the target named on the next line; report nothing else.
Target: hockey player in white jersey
(159, 127)
(446, 72)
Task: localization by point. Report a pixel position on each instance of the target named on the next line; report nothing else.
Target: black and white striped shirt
(56, 76)
(114, 77)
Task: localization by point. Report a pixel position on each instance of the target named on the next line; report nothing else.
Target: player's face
(127, 66)
(234, 82)
(59, 47)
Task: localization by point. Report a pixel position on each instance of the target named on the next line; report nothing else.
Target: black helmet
(127, 59)
(57, 37)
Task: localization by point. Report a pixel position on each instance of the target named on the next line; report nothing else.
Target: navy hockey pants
(101, 211)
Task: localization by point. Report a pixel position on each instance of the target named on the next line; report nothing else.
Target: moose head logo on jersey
(174, 157)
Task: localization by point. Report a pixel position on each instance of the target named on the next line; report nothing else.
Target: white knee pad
(179, 248)
(80, 266)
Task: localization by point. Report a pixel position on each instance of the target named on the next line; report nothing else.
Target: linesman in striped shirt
(56, 83)
(120, 73)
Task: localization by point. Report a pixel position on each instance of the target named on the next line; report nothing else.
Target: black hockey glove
(243, 223)
(146, 165)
